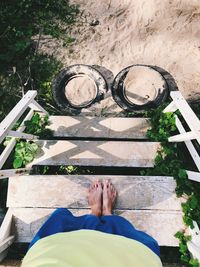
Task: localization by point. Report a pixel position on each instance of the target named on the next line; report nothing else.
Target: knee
(60, 213)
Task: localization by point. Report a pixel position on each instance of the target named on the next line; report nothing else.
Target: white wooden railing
(7, 125)
(179, 103)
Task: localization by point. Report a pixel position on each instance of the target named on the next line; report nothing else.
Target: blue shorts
(62, 220)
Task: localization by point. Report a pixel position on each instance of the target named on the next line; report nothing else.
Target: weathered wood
(3, 255)
(6, 243)
(99, 127)
(171, 107)
(13, 172)
(134, 192)
(5, 230)
(183, 137)
(7, 150)
(18, 134)
(194, 244)
(162, 225)
(194, 176)
(194, 154)
(96, 153)
(35, 106)
(194, 250)
(187, 113)
(6, 238)
(17, 263)
(16, 113)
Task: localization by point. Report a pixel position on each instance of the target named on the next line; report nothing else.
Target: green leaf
(17, 163)
(36, 118)
(34, 147)
(194, 262)
(182, 174)
(28, 158)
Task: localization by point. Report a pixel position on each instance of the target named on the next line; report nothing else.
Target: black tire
(67, 74)
(119, 95)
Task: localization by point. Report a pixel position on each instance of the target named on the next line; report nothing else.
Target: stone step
(51, 191)
(99, 127)
(162, 225)
(96, 153)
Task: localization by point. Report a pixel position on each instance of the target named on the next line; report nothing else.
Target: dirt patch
(154, 32)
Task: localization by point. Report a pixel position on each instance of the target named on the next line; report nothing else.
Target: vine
(169, 161)
(25, 151)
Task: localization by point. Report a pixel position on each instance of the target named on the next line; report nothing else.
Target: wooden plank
(5, 234)
(162, 225)
(6, 152)
(3, 255)
(187, 113)
(194, 250)
(6, 243)
(13, 172)
(134, 192)
(194, 176)
(35, 106)
(99, 127)
(96, 153)
(171, 107)
(5, 230)
(189, 144)
(16, 113)
(194, 244)
(17, 263)
(18, 134)
(182, 137)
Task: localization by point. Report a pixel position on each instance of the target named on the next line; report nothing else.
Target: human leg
(118, 225)
(62, 220)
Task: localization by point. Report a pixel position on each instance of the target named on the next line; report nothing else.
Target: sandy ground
(116, 34)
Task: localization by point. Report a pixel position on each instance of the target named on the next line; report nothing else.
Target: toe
(104, 184)
(90, 187)
(96, 184)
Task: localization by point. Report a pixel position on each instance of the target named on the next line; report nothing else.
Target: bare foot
(95, 198)
(109, 197)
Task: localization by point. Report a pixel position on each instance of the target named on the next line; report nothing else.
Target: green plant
(185, 255)
(169, 162)
(68, 41)
(68, 169)
(24, 153)
(21, 66)
(37, 125)
(163, 124)
(20, 20)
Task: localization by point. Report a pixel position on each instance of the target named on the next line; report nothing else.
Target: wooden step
(99, 127)
(51, 191)
(17, 263)
(96, 153)
(162, 225)
(10, 263)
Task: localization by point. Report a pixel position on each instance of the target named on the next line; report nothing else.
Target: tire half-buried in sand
(78, 86)
(139, 87)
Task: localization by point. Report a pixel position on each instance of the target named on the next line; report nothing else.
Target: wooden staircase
(148, 202)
